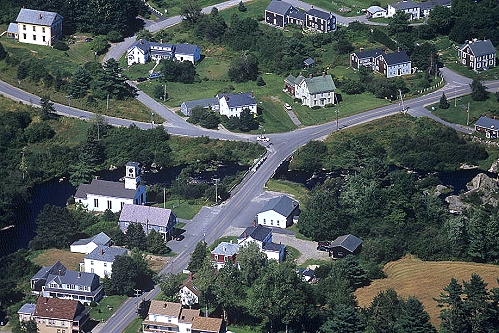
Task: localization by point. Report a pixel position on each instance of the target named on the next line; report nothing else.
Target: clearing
(69, 259)
(410, 276)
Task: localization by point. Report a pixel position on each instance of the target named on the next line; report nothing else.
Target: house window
(122, 204)
(43, 29)
(96, 203)
(58, 331)
(105, 264)
(109, 204)
(264, 221)
(72, 286)
(277, 222)
(81, 288)
(92, 270)
(91, 262)
(24, 26)
(43, 38)
(271, 222)
(34, 28)
(24, 36)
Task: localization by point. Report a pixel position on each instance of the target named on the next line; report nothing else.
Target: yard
(410, 276)
(49, 257)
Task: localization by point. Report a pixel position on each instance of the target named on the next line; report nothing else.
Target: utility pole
(152, 119)
(216, 190)
(137, 294)
(337, 126)
(401, 101)
(468, 119)
(164, 92)
(455, 97)
(107, 103)
(164, 197)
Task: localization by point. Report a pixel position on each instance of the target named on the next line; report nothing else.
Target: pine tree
(260, 82)
(444, 103)
(3, 53)
(156, 244)
(47, 110)
(477, 304)
(345, 319)
(478, 91)
(136, 237)
(198, 256)
(453, 315)
(414, 318)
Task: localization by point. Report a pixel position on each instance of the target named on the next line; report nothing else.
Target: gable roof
(348, 242)
(141, 44)
(27, 308)
(206, 102)
(369, 53)
(395, 58)
(12, 29)
(258, 233)
(146, 214)
(290, 79)
(74, 277)
(104, 188)
(106, 253)
(188, 315)
(296, 14)
(55, 269)
(278, 7)
(283, 205)
(487, 123)
(38, 17)
(272, 247)
(165, 308)
(238, 100)
(319, 13)
(226, 249)
(207, 324)
(56, 308)
(99, 239)
(428, 5)
(480, 47)
(190, 285)
(319, 84)
(375, 9)
(405, 4)
(189, 49)
(308, 61)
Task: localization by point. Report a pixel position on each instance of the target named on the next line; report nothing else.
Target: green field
(107, 307)
(458, 110)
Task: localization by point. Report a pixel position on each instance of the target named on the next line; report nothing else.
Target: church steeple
(132, 175)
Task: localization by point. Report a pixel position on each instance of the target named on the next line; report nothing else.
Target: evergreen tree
(384, 311)
(453, 315)
(345, 319)
(156, 244)
(80, 83)
(414, 318)
(444, 103)
(47, 110)
(248, 121)
(3, 53)
(478, 91)
(476, 303)
(260, 82)
(241, 7)
(198, 256)
(136, 237)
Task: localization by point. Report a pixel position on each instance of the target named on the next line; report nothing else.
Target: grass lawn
(457, 112)
(106, 308)
(292, 253)
(285, 186)
(345, 7)
(297, 233)
(410, 276)
(309, 262)
(134, 327)
(49, 257)
(182, 208)
(245, 329)
(255, 10)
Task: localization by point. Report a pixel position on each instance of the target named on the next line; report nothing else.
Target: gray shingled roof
(283, 205)
(239, 100)
(108, 253)
(402, 5)
(105, 188)
(481, 47)
(487, 122)
(319, 13)
(278, 7)
(99, 239)
(27, 308)
(369, 53)
(188, 49)
(375, 9)
(272, 247)
(308, 61)
(225, 248)
(74, 277)
(201, 102)
(38, 17)
(258, 233)
(396, 58)
(319, 84)
(297, 14)
(55, 269)
(12, 28)
(141, 44)
(425, 5)
(348, 242)
(142, 214)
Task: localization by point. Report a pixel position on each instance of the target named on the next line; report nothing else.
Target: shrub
(114, 36)
(60, 45)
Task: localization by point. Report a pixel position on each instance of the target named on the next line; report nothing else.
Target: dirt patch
(410, 276)
(156, 263)
(275, 99)
(69, 259)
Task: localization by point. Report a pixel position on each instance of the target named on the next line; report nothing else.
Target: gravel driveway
(308, 249)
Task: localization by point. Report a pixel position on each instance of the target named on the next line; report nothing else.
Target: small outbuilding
(488, 126)
(308, 63)
(345, 245)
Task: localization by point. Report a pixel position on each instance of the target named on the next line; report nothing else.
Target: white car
(287, 106)
(262, 138)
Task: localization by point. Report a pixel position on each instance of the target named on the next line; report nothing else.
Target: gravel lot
(308, 249)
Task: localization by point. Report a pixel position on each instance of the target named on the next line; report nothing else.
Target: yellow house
(38, 27)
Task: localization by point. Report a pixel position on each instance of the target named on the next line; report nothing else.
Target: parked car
(322, 248)
(262, 138)
(141, 79)
(88, 39)
(154, 75)
(287, 106)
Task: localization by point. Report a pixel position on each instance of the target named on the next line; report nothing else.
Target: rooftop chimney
(101, 252)
(79, 275)
(254, 223)
(165, 305)
(323, 74)
(40, 16)
(252, 94)
(310, 75)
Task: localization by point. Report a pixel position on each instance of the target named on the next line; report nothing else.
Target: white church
(100, 195)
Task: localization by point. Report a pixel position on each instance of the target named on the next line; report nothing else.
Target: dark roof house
(345, 245)
(150, 218)
(279, 212)
(487, 126)
(478, 54)
(206, 103)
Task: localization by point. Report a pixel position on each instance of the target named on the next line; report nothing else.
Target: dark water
(57, 193)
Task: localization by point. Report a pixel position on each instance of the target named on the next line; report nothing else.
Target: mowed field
(410, 276)
(69, 259)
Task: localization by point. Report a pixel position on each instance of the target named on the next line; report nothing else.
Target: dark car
(141, 79)
(88, 39)
(179, 237)
(322, 248)
(155, 75)
(326, 244)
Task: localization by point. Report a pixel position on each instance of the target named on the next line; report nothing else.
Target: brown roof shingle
(57, 308)
(207, 324)
(188, 315)
(165, 308)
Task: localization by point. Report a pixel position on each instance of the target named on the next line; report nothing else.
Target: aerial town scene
(249, 166)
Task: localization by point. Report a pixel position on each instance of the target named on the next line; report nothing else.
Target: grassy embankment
(410, 276)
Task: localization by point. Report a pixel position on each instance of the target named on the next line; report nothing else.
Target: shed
(345, 245)
(488, 126)
(309, 62)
